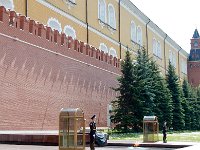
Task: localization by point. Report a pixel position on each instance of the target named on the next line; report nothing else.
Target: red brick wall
(194, 73)
(38, 76)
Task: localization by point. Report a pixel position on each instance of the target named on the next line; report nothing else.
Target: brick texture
(42, 71)
(194, 73)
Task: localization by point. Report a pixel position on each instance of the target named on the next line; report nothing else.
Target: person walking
(92, 132)
(165, 132)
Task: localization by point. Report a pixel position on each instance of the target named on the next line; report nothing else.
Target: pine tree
(143, 73)
(126, 113)
(186, 105)
(197, 109)
(192, 103)
(175, 89)
(163, 101)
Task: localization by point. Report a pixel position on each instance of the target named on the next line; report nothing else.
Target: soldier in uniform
(165, 132)
(92, 132)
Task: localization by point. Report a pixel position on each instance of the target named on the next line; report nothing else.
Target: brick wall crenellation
(36, 33)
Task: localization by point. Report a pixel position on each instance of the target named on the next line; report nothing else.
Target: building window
(70, 3)
(102, 10)
(158, 49)
(133, 31)
(154, 47)
(139, 35)
(54, 24)
(113, 52)
(184, 66)
(69, 31)
(195, 44)
(172, 58)
(8, 4)
(111, 16)
(103, 48)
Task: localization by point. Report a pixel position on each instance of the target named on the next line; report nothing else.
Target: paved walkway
(113, 144)
(195, 146)
(31, 147)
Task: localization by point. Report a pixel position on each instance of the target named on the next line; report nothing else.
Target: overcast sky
(177, 18)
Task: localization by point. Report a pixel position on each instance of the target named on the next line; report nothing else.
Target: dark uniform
(92, 133)
(164, 133)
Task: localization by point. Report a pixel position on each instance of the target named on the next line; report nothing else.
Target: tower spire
(196, 34)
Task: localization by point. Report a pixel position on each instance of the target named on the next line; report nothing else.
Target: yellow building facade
(113, 26)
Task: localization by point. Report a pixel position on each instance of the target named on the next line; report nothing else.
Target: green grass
(175, 137)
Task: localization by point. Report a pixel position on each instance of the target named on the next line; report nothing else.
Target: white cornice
(102, 35)
(132, 9)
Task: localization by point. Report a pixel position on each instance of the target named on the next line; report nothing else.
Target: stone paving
(32, 147)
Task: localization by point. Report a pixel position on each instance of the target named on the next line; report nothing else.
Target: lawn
(175, 137)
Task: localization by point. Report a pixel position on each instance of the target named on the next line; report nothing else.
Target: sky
(177, 18)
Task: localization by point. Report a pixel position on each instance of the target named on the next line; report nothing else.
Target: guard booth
(150, 129)
(71, 129)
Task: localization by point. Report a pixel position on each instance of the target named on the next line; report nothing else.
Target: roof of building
(196, 34)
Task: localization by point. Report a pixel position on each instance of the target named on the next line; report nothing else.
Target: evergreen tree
(126, 113)
(175, 89)
(197, 109)
(163, 101)
(186, 105)
(143, 72)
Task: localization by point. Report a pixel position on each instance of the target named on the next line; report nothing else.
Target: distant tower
(194, 60)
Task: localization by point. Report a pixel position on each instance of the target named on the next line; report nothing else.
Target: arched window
(69, 31)
(54, 24)
(139, 35)
(184, 66)
(113, 52)
(111, 16)
(73, 1)
(158, 49)
(69, 1)
(133, 31)
(174, 59)
(8, 4)
(103, 48)
(102, 10)
(154, 47)
(170, 56)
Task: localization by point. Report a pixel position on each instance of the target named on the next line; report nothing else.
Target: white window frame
(59, 28)
(133, 32)
(111, 19)
(159, 51)
(183, 66)
(70, 3)
(113, 52)
(102, 3)
(73, 1)
(71, 29)
(11, 5)
(154, 47)
(139, 35)
(172, 58)
(104, 46)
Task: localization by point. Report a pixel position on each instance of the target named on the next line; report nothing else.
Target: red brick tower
(194, 60)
